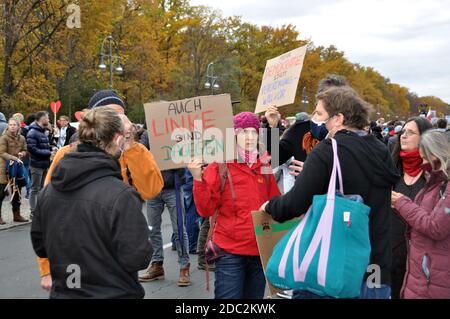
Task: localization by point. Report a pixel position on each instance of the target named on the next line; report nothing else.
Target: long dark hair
(423, 125)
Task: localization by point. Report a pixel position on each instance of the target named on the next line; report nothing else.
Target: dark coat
(291, 144)
(38, 147)
(88, 217)
(367, 170)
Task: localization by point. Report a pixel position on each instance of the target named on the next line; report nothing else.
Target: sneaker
(174, 247)
(154, 272)
(185, 279)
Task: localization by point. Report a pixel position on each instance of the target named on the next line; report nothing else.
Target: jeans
(155, 208)
(26, 165)
(304, 294)
(37, 182)
(15, 201)
(193, 220)
(239, 277)
(384, 292)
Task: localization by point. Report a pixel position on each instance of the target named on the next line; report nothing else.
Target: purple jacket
(428, 264)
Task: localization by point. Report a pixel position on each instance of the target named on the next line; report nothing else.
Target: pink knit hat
(245, 120)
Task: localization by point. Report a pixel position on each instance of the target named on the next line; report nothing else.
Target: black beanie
(105, 97)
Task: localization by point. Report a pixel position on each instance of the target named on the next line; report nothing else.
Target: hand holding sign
(280, 79)
(273, 116)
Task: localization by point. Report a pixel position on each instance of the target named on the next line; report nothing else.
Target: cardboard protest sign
(268, 233)
(280, 79)
(195, 127)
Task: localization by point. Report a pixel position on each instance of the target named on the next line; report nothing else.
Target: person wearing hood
(408, 161)
(40, 152)
(300, 139)
(12, 148)
(248, 183)
(139, 168)
(367, 170)
(3, 123)
(87, 217)
(428, 219)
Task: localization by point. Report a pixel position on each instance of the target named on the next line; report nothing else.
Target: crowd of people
(87, 189)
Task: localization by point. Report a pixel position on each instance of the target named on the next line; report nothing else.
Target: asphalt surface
(19, 275)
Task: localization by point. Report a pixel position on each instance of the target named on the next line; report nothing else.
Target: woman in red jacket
(428, 219)
(239, 273)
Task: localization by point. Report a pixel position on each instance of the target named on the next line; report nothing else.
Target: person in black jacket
(89, 223)
(367, 170)
(40, 152)
(300, 139)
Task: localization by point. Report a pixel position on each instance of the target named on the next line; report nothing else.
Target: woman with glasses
(407, 158)
(428, 220)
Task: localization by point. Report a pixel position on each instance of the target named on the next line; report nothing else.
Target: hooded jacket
(234, 231)
(367, 170)
(428, 263)
(88, 217)
(38, 147)
(3, 123)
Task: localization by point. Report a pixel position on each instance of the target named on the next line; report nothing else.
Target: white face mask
(120, 143)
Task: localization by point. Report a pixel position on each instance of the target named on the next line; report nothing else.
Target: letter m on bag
(321, 237)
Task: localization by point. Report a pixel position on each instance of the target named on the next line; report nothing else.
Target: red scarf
(412, 162)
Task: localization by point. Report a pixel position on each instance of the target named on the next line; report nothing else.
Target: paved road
(19, 276)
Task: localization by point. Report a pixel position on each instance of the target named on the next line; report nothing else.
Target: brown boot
(154, 272)
(18, 218)
(185, 279)
(1, 221)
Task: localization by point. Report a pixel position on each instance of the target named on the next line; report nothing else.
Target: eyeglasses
(408, 133)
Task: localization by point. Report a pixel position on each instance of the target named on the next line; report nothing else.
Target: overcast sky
(407, 41)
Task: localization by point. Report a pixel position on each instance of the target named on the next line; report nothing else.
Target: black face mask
(319, 132)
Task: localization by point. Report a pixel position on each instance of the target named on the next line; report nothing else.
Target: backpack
(212, 251)
(15, 172)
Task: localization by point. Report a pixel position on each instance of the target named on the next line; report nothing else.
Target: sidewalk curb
(13, 225)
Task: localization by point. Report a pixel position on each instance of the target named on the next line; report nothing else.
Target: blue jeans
(239, 277)
(384, 292)
(37, 183)
(155, 208)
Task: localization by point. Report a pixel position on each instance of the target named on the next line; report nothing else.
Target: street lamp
(112, 58)
(305, 99)
(211, 80)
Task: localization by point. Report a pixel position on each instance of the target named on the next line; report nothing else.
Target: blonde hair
(437, 144)
(19, 117)
(99, 126)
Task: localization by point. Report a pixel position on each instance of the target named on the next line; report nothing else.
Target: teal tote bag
(329, 251)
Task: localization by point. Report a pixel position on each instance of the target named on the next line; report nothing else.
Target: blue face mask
(318, 130)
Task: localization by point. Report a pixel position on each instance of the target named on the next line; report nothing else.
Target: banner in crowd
(280, 80)
(268, 233)
(190, 128)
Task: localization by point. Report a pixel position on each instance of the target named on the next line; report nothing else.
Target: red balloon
(55, 106)
(78, 115)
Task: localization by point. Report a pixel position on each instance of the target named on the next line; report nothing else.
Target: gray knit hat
(105, 97)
